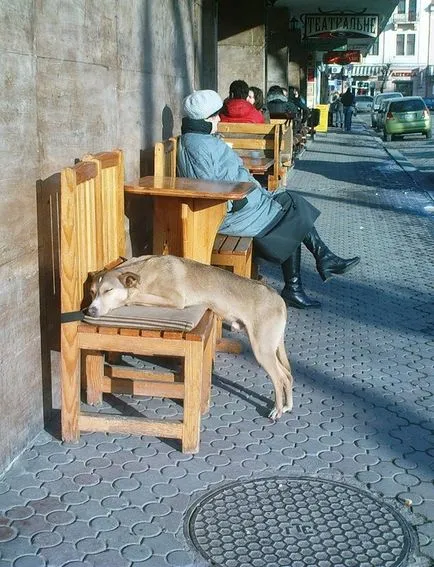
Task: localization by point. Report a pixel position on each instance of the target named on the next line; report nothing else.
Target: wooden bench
(233, 252)
(93, 236)
(257, 141)
(294, 136)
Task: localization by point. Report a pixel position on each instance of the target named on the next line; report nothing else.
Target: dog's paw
(275, 413)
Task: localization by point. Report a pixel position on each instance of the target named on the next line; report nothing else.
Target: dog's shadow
(243, 393)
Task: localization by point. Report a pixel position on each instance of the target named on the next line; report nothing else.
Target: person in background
(295, 98)
(337, 109)
(237, 108)
(279, 222)
(256, 97)
(348, 100)
(278, 103)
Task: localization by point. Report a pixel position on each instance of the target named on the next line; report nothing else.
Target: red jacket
(239, 110)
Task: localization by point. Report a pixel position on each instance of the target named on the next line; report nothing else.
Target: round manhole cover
(294, 522)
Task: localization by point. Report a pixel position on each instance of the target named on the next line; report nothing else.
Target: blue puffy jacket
(206, 156)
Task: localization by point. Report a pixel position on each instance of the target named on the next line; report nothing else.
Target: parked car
(408, 115)
(381, 112)
(364, 103)
(429, 101)
(376, 104)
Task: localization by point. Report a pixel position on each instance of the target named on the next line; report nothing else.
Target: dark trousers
(348, 114)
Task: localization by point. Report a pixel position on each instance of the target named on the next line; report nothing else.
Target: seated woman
(278, 222)
(256, 97)
(236, 107)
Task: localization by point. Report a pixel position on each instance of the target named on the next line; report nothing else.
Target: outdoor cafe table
(257, 166)
(187, 212)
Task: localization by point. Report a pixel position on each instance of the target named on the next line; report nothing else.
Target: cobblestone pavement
(414, 153)
(363, 367)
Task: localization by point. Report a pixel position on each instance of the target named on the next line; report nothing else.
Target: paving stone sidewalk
(363, 367)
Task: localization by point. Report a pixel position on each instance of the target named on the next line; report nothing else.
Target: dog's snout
(92, 311)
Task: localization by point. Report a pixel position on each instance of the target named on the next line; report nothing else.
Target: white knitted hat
(202, 104)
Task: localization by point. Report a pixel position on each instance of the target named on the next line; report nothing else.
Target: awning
(366, 70)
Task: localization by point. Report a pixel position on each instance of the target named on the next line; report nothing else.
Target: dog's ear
(96, 276)
(129, 279)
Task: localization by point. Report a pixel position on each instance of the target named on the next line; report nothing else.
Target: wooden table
(259, 165)
(187, 212)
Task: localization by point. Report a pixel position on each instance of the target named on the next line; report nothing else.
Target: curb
(406, 165)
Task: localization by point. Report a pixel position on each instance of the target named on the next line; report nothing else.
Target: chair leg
(208, 358)
(94, 368)
(70, 380)
(218, 329)
(192, 396)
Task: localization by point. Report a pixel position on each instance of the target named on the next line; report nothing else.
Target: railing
(405, 18)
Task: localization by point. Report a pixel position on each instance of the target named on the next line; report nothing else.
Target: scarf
(193, 125)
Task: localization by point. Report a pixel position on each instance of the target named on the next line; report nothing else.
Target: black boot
(293, 292)
(327, 263)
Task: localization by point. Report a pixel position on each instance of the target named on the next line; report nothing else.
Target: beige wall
(254, 44)
(76, 77)
(241, 44)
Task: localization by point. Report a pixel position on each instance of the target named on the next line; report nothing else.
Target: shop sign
(401, 73)
(342, 57)
(335, 25)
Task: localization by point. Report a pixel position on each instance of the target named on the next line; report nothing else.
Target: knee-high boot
(293, 292)
(327, 263)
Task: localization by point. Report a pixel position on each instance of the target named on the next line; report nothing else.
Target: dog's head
(110, 289)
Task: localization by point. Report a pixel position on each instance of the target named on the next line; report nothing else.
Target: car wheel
(387, 137)
(428, 134)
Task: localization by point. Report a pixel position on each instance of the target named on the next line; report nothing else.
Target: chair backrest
(254, 139)
(165, 158)
(265, 137)
(286, 126)
(111, 212)
(91, 223)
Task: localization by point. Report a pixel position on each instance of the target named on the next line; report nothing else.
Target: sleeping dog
(170, 281)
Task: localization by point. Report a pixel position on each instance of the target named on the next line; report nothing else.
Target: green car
(407, 115)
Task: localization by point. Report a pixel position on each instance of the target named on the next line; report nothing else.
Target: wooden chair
(93, 236)
(256, 140)
(234, 252)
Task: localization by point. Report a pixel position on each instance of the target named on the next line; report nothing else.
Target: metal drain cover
(297, 521)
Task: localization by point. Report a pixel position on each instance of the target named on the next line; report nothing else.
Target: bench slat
(243, 245)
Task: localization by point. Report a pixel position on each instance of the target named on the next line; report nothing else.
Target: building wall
(241, 44)
(405, 69)
(76, 77)
(254, 44)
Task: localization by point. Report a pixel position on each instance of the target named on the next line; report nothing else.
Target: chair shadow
(48, 233)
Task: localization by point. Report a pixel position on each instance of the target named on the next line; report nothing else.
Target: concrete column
(241, 43)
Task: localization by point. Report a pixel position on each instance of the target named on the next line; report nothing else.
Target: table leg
(187, 227)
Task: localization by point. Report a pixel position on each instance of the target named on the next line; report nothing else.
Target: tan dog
(170, 281)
